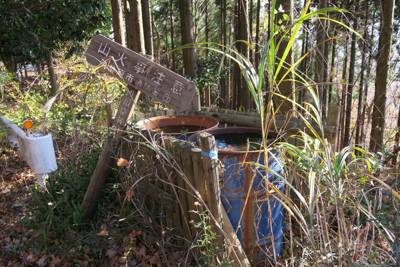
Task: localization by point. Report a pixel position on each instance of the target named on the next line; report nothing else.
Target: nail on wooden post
(210, 163)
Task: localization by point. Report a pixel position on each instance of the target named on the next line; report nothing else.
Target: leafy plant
(208, 250)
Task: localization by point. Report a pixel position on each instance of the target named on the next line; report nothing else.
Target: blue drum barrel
(245, 190)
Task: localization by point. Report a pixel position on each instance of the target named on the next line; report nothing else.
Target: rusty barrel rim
(166, 121)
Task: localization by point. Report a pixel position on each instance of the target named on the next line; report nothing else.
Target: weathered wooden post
(141, 75)
(106, 159)
(210, 163)
(183, 197)
(110, 110)
(187, 167)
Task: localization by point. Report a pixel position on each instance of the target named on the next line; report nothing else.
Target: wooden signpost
(142, 74)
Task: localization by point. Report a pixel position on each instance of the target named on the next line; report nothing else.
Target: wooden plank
(240, 258)
(158, 194)
(254, 121)
(210, 164)
(170, 176)
(183, 196)
(141, 73)
(200, 175)
(187, 167)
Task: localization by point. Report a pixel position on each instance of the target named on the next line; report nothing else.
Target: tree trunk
(134, 26)
(189, 58)
(207, 89)
(251, 32)
(119, 34)
(325, 73)
(130, 34)
(39, 69)
(343, 98)
(286, 88)
(172, 36)
(166, 45)
(319, 57)
(223, 91)
(396, 148)
(138, 26)
(368, 66)
(303, 65)
(236, 70)
(257, 57)
(147, 29)
(244, 49)
(381, 82)
(53, 76)
(347, 140)
(361, 93)
(332, 69)
(228, 61)
(10, 63)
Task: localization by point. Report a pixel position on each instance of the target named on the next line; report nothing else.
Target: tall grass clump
(337, 211)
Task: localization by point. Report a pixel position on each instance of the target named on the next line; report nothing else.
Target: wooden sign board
(141, 73)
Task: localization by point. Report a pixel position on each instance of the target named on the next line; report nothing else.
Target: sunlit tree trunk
(189, 59)
(319, 57)
(244, 49)
(369, 67)
(119, 33)
(236, 70)
(343, 97)
(347, 140)
(286, 88)
(331, 72)
(129, 25)
(303, 65)
(381, 82)
(207, 89)
(53, 76)
(147, 27)
(396, 141)
(361, 92)
(171, 15)
(257, 56)
(223, 92)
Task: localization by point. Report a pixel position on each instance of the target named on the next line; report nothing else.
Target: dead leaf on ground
(130, 194)
(55, 260)
(111, 253)
(133, 234)
(31, 258)
(123, 162)
(103, 233)
(42, 261)
(143, 250)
